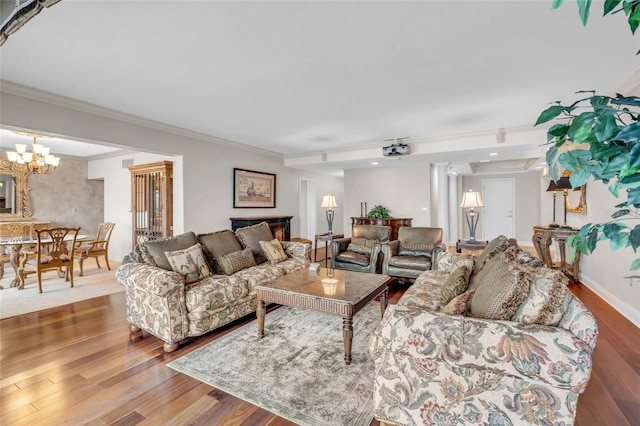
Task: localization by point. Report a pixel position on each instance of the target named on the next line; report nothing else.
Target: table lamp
(329, 202)
(472, 200)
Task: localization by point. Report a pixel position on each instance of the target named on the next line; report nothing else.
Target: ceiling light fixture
(37, 162)
(493, 153)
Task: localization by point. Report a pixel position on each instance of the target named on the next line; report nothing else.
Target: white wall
(405, 191)
(204, 177)
(527, 210)
(604, 270)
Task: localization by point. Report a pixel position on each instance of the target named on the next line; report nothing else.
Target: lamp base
(553, 225)
(472, 242)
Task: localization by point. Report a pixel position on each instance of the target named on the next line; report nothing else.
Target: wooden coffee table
(346, 296)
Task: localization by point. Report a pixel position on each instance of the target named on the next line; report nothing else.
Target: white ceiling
(302, 77)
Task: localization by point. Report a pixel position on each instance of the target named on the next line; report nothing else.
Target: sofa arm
(551, 356)
(440, 248)
(155, 300)
(430, 366)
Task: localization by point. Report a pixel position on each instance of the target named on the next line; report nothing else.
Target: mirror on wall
(577, 200)
(15, 201)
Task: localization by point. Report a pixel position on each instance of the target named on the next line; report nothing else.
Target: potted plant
(599, 136)
(378, 212)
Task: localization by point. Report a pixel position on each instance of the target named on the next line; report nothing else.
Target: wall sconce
(329, 202)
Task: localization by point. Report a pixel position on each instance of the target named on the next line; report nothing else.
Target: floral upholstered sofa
(188, 285)
(514, 347)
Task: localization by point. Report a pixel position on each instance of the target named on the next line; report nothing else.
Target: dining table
(17, 244)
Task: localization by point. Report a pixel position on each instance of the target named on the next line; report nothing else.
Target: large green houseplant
(599, 136)
(379, 212)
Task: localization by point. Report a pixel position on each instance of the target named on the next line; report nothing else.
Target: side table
(327, 238)
(477, 246)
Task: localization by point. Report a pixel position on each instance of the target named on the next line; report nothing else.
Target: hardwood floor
(76, 364)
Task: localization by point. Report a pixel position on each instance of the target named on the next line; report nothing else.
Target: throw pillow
(274, 251)
(447, 261)
(153, 252)
(189, 263)
(455, 284)
(503, 288)
(236, 261)
(459, 304)
(546, 302)
(251, 236)
(217, 244)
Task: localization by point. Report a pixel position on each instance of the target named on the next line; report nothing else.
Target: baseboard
(624, 309)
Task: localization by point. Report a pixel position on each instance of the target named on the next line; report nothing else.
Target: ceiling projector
(395, 149)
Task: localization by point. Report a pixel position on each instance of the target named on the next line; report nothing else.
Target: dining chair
(95, 248)
(13, 235)
(53, 251)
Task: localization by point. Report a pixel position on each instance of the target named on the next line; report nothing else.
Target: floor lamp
(472, 200)
(552, 188)
(329, 202)
(565, 185)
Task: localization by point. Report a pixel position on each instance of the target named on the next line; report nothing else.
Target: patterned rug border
(231, 383)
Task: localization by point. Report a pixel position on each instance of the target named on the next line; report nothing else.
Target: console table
(542, 238)
(394, 222)
(280, 225)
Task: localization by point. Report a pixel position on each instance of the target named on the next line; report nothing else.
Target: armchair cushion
(251, 236)
(236, 261)
(455, 284)
(361, 245)
(408, 248)
(153, 252)
(353, 257)
(422, 263)
(273, 250)
(189, 263)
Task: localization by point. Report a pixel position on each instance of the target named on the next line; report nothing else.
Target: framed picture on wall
(253, 189)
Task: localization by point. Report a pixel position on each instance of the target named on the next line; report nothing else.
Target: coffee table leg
(260, 312)
(347, 336)
(384, 301)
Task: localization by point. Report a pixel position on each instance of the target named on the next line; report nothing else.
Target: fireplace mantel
(280, 225)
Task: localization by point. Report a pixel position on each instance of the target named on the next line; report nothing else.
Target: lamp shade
(552, 186)
(563, 183)
(329, 201)
(471, 199)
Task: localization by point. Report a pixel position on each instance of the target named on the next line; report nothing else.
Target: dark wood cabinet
(395, 223)
(280, 225)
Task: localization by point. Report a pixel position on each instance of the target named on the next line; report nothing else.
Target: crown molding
(66, 102)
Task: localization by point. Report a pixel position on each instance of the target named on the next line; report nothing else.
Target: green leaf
(549, 114)
(558, 130)
(580, 177)
(630, 133)
(592, 240)
(554, 168)
(580, 128)
(635, 265)
(609, 5)
(605, 128)
(633, 196)
(615, 189)
(620, 213)
(626, 100)
(634, 237)
(556, 4)
(583, 9)
(584, 230)
(634, 156)
(627, 180)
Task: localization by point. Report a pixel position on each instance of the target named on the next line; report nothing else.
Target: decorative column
(454, 210)
(442, 199)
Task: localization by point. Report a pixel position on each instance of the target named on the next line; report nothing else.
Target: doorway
(307, 208)
(499, 210)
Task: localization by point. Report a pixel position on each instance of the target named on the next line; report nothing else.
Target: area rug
(297, 370)
(56, 291)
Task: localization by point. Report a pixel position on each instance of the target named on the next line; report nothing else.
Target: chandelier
(37, 162)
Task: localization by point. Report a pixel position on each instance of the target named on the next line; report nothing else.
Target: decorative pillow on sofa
(459, 304)
(523, 257)
(274, 251)
(251, 236)
(236, 261)
(153, 251)
(217, 244)
(497, 245)
(189, 263)
(547, 299)
(455, 284)
(503, 287)
(361, 245)
(447, 261)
